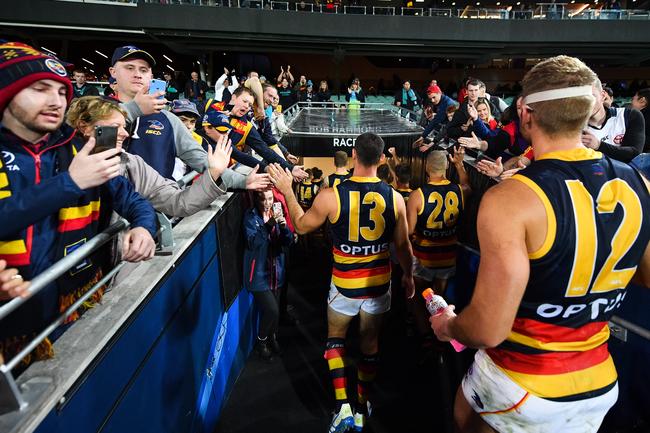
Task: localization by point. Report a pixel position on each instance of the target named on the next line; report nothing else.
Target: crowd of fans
(61, 186)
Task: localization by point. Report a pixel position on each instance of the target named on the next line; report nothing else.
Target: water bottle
(435, 305)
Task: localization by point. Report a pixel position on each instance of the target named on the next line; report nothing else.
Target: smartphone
(156, 86)
(277, 209)
(105, 138)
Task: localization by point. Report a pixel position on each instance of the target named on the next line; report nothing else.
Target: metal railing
(412, 12)
(548, 11)
(11, 398)
(280, 6)
(329, 9)
(383, 10)
(439, 12)
(358, 10)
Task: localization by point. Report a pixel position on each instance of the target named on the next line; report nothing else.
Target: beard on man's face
(31, 121)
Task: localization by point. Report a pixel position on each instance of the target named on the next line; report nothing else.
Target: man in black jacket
(617, 132)
(195, 89)
(460, 124)
(641, 101)
(80, 87)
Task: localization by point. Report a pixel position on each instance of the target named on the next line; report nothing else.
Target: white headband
(550, 95)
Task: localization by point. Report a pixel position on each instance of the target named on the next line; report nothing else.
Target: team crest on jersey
(56, 67)
(597, 170)
(155, 124)
(9, 159)
(619, 139)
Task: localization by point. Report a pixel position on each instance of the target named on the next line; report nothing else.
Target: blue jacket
(263, 256)
(441, 115)
(39, 189)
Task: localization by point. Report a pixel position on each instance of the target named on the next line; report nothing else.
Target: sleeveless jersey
(361, 233)
(434, 242)
(334, 179)
(598, 219)
(306, 193)
(404, 192)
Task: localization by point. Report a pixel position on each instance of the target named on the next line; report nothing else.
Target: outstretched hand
(258, 181)
(472, 142)
(219, 158)
(458, 157)
(281, 178)
(490, 168)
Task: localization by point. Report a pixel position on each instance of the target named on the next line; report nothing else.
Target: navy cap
(217, 120)
(180, 106)
(132, 52)
(111, 80)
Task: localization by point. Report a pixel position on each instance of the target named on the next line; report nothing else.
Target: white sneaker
(360, 419)
(343, 420)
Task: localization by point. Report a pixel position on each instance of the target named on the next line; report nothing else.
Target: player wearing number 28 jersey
(577, 233)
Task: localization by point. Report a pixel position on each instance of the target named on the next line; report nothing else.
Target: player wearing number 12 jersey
(365, 215)
(577, 232)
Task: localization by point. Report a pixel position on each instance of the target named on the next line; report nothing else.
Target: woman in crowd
(265, 233)
(484, 114)
(323, 94)
(355, 92)
(88, 113)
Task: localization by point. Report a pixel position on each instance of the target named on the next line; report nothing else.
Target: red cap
(433, 89)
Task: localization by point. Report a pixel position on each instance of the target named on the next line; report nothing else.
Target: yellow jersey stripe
(551, 224)
(355, 283)
(13, 247)
(70, 213)
(360, 259)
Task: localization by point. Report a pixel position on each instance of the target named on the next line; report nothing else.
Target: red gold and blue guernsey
(434, 242)
(361, 232)
(598, 227)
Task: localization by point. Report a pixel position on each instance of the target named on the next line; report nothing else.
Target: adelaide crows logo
(157, 125)
(56, 67)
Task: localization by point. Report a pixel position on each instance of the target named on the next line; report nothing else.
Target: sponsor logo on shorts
(477, 399)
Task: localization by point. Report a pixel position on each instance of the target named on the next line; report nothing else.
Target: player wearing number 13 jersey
(366, 215)
(577, 232)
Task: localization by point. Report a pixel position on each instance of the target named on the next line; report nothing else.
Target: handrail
(638, 330)
(542, 10)
(185, 180)
(11, 364)
(62, 266)
(389, 10)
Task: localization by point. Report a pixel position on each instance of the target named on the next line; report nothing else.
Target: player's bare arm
(403, 246)
(413, 208)
(324, 205)
(504, 267)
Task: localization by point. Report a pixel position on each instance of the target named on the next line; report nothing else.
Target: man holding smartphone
(158, 135)
(50, 192)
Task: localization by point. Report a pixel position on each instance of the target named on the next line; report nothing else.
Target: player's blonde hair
(560, 117)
